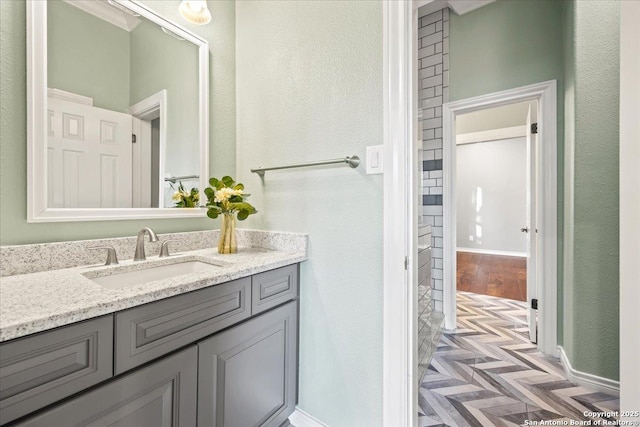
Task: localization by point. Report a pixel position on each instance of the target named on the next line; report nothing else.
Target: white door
(531, 231)
(89, 156)
(141, 163)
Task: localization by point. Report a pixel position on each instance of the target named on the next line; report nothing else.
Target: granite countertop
(35, 302)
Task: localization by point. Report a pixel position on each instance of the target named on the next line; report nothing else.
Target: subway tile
(428, 200)
(438, 263)
(435, 174)
(438, 47)
(428, 183)
(438, 113)
(439, 243)
(436, 122)
(445, 94)
(438, 26)
(436, 294)
(438, 90)
(445, 78)
(435, 101)
(426, 30)
(445, 28)
(431, 18)
(431, 60)
(436, 252)
(437, 284)
(438, 133)
(436, 231)
(432, 81)
(445, 45)
(437, 305)
(445, 61)
(428, 113)
(432, 144)
(428, 154)
(436, 273)
(432, 210)
(427, 135)
(427, 94)
(439, 182)
(437, 69)
(438, 221)
(428, 51)
(432, 165)
(427, 72)
(435, 191)
(445, 14)
(432, 39)
(438, 154)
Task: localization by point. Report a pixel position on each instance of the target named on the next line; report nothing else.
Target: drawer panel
(273, 287)
(41, 369)
(146, 332)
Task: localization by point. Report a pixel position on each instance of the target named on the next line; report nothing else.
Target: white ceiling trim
(459, 7)
(103, 10)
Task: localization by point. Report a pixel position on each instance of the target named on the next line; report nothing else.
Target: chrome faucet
(153, 237)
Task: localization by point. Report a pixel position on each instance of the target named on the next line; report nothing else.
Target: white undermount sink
(152, 273)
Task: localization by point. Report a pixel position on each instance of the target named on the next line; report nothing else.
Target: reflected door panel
(89, 156)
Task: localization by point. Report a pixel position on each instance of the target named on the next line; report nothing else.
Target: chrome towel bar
(180, 178)
(352, 161)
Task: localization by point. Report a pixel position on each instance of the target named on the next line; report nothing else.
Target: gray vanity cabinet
(41, 369)
(162, 394)
(247, 375)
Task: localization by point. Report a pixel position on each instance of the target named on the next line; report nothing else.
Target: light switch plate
(374, 159)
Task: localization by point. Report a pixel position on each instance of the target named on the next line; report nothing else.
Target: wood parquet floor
(494, 275)
(487, 373)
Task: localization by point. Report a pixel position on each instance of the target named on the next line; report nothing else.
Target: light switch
(374, 159)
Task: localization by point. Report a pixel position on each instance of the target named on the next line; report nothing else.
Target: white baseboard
(302, 419)
(588, 380)
(492, 252)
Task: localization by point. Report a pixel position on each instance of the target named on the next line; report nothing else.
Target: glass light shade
(195, 11)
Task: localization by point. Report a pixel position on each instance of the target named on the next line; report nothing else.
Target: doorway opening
(496, 205)
(540, 227)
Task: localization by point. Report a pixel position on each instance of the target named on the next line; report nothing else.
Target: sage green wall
(309, 87)
(14, 228)
(591, 304)
(508, 44)
(87, 56)
(160, 61)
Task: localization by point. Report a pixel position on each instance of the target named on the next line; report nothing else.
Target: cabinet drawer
(38, 370)
(159, 395)
(273, 287)
(146, 332)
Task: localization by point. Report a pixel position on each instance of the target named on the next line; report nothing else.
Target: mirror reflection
(123, 108)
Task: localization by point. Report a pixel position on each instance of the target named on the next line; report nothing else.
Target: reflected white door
(89, 156)
(531, 231)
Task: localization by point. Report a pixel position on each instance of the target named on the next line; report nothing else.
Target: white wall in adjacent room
(491, 195)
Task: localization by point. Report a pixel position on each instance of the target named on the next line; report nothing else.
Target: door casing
(547, 210)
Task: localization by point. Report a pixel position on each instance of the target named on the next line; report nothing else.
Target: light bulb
(195, 11)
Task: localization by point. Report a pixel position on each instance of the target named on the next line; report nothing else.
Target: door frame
(400, 214)
(547, 210)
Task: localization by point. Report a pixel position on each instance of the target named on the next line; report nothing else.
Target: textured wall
(310, 88)
(592, 281)
(13, 127)
(433, 78)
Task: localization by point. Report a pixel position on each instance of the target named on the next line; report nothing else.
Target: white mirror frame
(37, 210)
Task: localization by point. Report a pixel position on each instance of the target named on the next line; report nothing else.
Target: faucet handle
(112, 258)
(164, 249)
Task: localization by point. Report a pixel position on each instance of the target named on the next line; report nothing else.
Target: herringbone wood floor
(488, 373)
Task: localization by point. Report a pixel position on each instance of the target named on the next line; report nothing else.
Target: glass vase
(227, 241)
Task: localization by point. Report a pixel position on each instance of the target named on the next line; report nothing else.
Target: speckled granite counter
(35, 302)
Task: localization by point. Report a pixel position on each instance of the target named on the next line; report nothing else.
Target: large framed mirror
(117, 100)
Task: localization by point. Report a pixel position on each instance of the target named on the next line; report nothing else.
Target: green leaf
(209, 193)
(212, 213)
(243, 214)
(213, 182)
(238, 186)
(227, 181)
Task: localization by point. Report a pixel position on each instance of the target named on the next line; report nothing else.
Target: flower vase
(227, 242)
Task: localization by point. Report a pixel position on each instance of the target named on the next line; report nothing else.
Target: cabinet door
(160, 395)
(247, 376)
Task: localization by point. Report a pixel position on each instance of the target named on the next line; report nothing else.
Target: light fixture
(195, 11)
